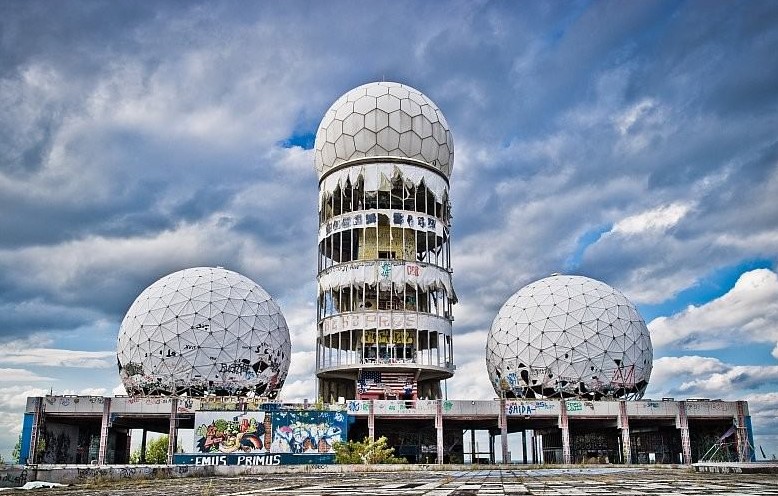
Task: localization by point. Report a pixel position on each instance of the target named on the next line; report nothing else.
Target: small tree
(156, 451)
(366, 452)
(17, 451)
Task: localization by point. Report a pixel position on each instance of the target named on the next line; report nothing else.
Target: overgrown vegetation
(156, 451)
(365, 452)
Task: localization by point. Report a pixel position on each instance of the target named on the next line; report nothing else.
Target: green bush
(365, 452)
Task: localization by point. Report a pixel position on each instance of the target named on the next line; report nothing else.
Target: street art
(307, 431)
(218, 432)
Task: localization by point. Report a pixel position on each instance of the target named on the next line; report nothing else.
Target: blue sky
(630, 142)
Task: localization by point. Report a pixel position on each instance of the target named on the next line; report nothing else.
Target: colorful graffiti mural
(220, 432)
(307, 431)
(300, 432)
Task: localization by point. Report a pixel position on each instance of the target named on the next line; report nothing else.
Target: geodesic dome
(384, 120)
(569, 336)
(204, 331)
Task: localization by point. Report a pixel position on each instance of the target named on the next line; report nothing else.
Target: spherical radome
(384, 120)
(569, 336)
(204, 331)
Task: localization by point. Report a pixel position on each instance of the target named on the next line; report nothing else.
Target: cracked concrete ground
(583, 481)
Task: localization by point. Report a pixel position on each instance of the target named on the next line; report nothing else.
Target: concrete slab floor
(616, 481)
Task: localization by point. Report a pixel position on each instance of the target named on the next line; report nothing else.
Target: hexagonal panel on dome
(204, 331)
(393, 108)
(569, 336)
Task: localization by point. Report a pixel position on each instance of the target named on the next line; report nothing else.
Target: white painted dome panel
(569, 336)
(393, 108)
(204, 330)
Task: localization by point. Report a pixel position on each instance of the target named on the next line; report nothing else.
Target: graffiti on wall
(295, 432)
(307, 431)
(218, 432)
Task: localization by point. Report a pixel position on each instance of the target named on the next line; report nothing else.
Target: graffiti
(386, 269)
(13, 478)
(574, 406)
(413, 270)
(97, 399)
(92, 473)
(447, 406)
(236, 367)
(243, 433)
(307, 431)
(652, 404)
(355, 406)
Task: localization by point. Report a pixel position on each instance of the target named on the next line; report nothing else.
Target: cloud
(737, 378)
(21, 375)
(49, 357)
(747, 313)
(658, 219)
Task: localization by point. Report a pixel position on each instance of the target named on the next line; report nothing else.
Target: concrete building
(384, 154)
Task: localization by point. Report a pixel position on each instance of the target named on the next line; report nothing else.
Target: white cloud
(21, 375)
(737, 379)
(658, 219)
(747, 313)
(51, 357)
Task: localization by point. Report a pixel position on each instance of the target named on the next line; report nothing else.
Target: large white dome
(384, 120)
(569, 336)
(204, 330)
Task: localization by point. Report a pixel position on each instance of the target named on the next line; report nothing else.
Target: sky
(631, 142)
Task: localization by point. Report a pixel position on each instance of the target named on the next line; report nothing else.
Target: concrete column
(491, 448)
(524, 447)
(626, 442)
(371, 421)
(503, 420)
(37, 426)
(743, 447)
(105, 426)
(563, 424)
(472, 446)
(172, 437)
(439, 429)
(143, 447)
(682, 422)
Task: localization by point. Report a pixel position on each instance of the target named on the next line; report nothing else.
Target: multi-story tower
(384, 155)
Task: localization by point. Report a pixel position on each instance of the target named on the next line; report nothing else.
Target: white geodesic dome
(569, 336)
(204, 331)
(384, 120)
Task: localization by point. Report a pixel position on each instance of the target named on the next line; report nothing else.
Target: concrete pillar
(37, 426)
(371, 421)
(143, 447)
(524, 447)
(439, 429)
(172, 438)
(743, 447)
(682, 422)
(472, 446)
(563, 424)
(503, 420)
(626, 442)
(491, 448)
(105, 426)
